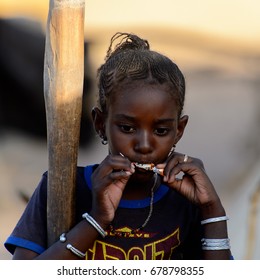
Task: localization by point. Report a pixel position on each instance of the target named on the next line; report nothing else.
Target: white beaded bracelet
(214, 220)
(74, 250)
(215, 244)
(93, 222)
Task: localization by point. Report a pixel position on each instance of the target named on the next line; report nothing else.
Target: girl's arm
(82, 237)
(108, 183)
(196, 186)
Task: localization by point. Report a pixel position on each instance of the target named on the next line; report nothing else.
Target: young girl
(133, 205)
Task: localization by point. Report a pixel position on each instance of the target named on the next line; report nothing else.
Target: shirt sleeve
(31, 230)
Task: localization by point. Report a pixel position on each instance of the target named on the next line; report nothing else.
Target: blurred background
(217, 46)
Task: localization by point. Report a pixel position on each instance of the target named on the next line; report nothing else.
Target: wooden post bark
(63, 89)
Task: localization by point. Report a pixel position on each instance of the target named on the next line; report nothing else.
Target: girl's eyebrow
(168, 120)
(123, 116)
(130, 118)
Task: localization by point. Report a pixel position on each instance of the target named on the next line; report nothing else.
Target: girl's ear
(181, 127)
(98, 119)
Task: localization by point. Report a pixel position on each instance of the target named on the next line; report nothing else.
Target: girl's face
(142, 122)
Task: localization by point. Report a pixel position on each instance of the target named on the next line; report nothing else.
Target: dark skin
(142, 132)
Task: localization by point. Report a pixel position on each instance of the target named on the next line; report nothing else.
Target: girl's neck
(140, 189)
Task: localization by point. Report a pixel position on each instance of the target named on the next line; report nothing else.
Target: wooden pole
(63, 89)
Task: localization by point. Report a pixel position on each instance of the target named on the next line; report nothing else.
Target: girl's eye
(161, 131)
(127, 128)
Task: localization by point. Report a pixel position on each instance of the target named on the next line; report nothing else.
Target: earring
(104, 140)
(172, 150)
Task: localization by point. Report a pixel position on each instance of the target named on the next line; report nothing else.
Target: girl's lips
(143, 167)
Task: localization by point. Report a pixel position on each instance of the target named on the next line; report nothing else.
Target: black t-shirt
(173, 231)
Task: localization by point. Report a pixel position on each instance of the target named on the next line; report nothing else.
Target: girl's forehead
(143, 98)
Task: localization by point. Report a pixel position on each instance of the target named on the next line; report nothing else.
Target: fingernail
(128, 173)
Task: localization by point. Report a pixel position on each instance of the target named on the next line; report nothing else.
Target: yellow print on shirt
(158, 250)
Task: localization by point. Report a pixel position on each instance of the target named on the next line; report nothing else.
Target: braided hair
(132, 60)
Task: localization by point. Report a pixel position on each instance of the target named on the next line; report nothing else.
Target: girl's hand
(195, 185)
(108, 183)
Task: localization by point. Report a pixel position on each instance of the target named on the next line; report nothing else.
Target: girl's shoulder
(80, 176)
(81, 184)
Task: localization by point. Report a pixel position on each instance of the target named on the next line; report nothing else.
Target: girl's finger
(112, 163)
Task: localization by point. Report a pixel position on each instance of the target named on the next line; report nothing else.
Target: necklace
(120, 233)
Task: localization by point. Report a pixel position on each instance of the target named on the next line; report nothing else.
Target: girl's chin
(142, 174)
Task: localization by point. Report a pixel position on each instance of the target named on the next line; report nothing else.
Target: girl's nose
(143, 143)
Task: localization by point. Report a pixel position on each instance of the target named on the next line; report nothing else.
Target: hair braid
(131, 59)
(128, 41)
